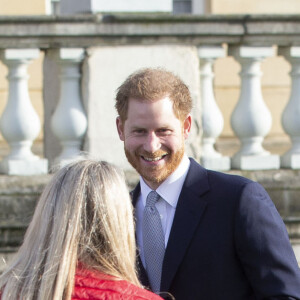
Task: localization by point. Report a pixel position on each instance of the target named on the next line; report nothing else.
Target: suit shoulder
(237, 185)
(218, 182)
(197, 170)
(242, 189)
(228, 178)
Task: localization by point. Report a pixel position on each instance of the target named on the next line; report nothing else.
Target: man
(201, 234)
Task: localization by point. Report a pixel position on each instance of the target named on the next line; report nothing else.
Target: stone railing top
(91, 30)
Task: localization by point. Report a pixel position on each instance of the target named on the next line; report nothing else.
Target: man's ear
(187, 124)
(120, 128)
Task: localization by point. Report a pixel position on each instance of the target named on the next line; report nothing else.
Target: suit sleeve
(263, 246)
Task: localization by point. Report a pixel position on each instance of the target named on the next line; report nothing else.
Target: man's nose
(152, 143)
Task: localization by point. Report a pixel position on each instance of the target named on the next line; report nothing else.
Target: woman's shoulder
(96, 285)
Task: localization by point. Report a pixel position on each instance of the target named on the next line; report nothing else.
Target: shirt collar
(170, 189)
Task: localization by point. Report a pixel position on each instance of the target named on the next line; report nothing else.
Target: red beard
(155, 174)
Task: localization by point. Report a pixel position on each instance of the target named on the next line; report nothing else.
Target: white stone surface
(221, 163)
(211, 52)
(20, 54)
(104, 71)
(255, 162)
(251, 120)
(252, 52)
(92, 6)
(289, 51)
(290, 117)
(212, 118)
(24, 167)
(290, 160)
(19, 123)
(71, 54)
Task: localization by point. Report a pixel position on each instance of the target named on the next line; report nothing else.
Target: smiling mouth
(154, 158)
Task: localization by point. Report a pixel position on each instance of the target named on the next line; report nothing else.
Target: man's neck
(152, 185)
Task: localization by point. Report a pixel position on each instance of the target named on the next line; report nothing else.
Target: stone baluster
(19, 123)
(212, 119)
(251, 120)
(69, 121)
(290, 117)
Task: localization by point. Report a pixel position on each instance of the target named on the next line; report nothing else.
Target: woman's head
(93, 204)
(84, 214)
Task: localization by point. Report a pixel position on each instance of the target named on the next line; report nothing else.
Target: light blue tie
(154, 241)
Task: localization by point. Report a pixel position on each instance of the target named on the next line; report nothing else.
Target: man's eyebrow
(137, 127)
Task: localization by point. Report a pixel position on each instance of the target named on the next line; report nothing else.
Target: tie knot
(152, 198)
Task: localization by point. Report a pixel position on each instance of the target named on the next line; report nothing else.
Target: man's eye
(164, 131)
(139, 131)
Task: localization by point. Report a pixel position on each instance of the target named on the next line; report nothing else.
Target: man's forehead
(165, 104)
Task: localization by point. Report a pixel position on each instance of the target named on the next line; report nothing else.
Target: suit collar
(171, 188)
(196, 180)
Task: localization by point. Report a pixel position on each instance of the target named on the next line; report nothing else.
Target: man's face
(153, 138)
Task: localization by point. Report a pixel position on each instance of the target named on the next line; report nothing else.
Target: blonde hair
(151, 84)
(85, 215)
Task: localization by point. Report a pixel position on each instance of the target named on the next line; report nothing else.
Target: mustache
(153, 155)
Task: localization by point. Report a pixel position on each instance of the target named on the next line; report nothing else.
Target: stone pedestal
(251, 119)
(20, 124)
(291, 113)
(212, 119)
(255, 162)
(23, 167)
(221, 163)
(69, 121)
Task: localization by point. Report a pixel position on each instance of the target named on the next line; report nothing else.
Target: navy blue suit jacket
(227, 242)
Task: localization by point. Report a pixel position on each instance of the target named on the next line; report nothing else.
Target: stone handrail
(46, 32)
(249, 40)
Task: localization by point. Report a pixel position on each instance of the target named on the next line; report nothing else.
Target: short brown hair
(151, 85)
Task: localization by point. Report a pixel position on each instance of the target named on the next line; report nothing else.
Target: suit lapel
(141, 270)
(188, 213)
(142, 274)
(135, 194)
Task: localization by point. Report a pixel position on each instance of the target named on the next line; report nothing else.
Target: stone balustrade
(66, 40)
(69, 69)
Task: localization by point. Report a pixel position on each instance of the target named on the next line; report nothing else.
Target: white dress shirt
(169, 190)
